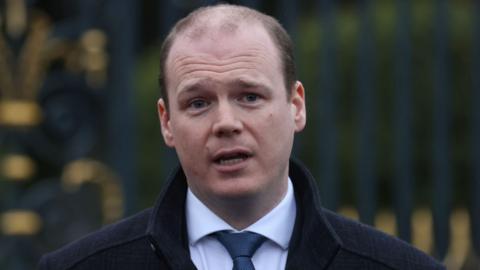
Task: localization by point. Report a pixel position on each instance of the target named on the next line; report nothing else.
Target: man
(230, 107)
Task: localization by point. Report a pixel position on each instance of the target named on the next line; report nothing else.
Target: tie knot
(242, 244)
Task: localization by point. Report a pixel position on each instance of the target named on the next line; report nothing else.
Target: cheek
(187, 138)
(188, 146)
(276, 129)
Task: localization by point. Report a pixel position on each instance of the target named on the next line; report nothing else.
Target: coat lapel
(314, 243)
(167, 226)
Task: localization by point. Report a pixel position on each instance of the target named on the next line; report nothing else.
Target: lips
(231, 160)
(231, 157)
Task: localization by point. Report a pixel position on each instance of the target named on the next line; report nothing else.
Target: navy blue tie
(241, 247)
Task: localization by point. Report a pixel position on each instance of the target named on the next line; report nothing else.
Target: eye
(251, 98)
(197, 104)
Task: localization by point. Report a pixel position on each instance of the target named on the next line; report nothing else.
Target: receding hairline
(215, 23)
(225, 16)
(228, 17)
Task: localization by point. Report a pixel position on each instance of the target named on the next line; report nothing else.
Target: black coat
(156, 238)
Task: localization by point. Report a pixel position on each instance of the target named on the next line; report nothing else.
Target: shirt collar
(277, 225)
(201, 221)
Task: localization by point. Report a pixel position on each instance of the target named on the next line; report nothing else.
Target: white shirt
(207, 253)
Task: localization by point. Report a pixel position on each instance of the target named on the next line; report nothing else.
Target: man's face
(229, 117)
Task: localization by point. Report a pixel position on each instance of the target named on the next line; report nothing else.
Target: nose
(227, 122)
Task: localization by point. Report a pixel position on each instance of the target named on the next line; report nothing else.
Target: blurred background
(393, 130)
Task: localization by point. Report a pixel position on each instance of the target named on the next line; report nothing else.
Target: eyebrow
(201, 84)
(249, 84)
(245, 83)
(195, 86)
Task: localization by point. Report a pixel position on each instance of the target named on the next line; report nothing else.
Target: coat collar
(167, 229)
(314, 243)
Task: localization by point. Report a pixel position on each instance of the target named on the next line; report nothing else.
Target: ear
(165, 123)
(297, 100)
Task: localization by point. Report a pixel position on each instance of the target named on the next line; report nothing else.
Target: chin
(236, 193)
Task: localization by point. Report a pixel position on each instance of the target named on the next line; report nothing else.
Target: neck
(243, 212)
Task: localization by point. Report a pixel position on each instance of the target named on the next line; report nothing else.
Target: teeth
(231, 161)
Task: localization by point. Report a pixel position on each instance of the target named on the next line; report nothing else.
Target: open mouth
(231, 158)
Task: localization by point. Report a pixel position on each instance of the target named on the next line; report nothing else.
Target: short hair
(277, 33)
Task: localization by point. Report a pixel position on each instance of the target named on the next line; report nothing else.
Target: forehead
(222, 45)
(222, 38)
